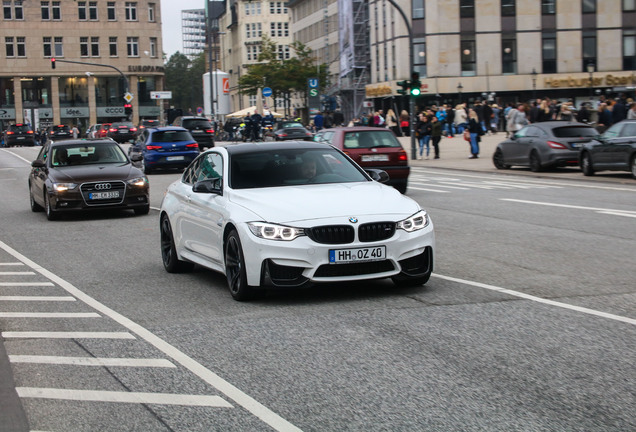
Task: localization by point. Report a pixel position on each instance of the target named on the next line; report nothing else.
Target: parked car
(614, 150)
(165, 147)
(286, 215)
(122, 132)
(93, 131)
(199, 127)
(75, 175)
(544, 145)
(19, 134)
(59, 132)
(291, 130)
(371, 147)
(103, 130)
(147, 123)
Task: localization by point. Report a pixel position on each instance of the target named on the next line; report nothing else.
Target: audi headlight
(413, 223)
(275, 232)
(139, 181)
(63, 187)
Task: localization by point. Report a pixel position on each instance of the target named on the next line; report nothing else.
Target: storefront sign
(7, 113)
(382, 90)
(601, 81)
(46, 113)
(117, 111)
(73, 112)
(146, 68)
(149, 111)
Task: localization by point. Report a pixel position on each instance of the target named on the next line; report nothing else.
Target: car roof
(357, 129)
(166, 128)
(87, 142)
(274, 146)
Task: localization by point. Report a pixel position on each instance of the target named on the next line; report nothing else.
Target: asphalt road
(528, 323)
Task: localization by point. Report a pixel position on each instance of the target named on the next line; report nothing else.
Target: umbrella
(250, 110)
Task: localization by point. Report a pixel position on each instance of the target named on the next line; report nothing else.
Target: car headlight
(275, 232)
(413, 223)
(63, 187)
(139, 181)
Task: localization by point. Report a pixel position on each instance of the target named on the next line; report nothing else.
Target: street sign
(313, 92)
(128, 97)
(267, 92)
(312, 82)
(160, 95)
(199, 110)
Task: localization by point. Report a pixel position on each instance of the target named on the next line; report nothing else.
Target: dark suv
(122, 132)
(199, 127)
(59, 132)
(19, 134)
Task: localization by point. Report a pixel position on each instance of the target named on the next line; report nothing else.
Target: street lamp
(534, 83)
(590, 70)
(459, 91)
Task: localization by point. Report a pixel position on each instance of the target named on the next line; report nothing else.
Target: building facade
(193, 28)
(102, 50)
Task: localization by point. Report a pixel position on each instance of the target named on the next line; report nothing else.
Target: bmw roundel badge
(353, 219)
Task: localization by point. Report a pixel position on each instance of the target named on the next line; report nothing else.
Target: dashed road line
(92, 361)
(65, 335)
(49, 315)
(38, 298)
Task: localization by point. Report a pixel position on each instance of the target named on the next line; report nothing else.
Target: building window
(283, 52)
(7, 11)
(9, 46)
(419, 56)
(15, 12)
(19, 12)
(548, 7)
(110, 11)
(629, 50)
(112, 46)
(95, 46)
(46, 45)
(131, 11)
(589, 49)
(277, 8)
(253, 51)
(252, 8)
(253, 30)
(508, 8)
(59, 46)
(549, 53)
(629, 5)
(153, 47)
(84, 46)
(92, 11)
(21, 45)
(467, 8)
(46, 11)
(418, 9)
(57, 11)
(588, 6)
(469, 57)
(132, 44)
(151, 12)
(509, 55)
(279, 29)
(81, 11)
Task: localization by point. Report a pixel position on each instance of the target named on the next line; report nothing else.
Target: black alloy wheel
(50, 213)
(235, 269)
(586, 164)
(498, 160)
(535, 162)
(171, 262)
(35, 207)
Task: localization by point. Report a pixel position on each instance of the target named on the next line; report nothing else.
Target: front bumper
(75, 200)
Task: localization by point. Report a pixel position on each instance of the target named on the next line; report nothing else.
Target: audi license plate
(174, 158)
(375, 158)
(342, 256)
(103, 195)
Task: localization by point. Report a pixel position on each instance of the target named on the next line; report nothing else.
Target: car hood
(81, 174)
(293, 204)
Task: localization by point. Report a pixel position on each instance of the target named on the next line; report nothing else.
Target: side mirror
(378, 175)
(209, 186)
(38, 163)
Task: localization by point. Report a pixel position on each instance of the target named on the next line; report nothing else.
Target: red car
(371, 147)
(103, 131)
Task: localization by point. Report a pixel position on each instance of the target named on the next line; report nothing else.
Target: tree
(185, 79)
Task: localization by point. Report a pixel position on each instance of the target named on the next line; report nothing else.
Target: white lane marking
(25, 284)
(12, 264)
(37, 298)
(596, 209)
(439, 185)
(16, 155)
(16, 273)
(66, 335)
(249, 403)
(539, 299)
(427, 190)
(122, 397)
(49, 315)
(619, 213)
(92, 361)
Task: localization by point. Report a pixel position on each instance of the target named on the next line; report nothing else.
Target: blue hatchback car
(165, 148)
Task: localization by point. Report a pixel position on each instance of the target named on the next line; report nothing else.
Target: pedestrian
(257, 119)
(545, 111)
(631, 114)
(494, 120)
(392, 122)
(450, 122)
(604, 118)
(75, 131)
(476, 131)
(423, 134)
(405, 123)
(436, 134)
(319, 121)
(460, 118)
(583, 116)
(516, 119)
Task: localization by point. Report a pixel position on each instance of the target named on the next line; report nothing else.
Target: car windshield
(370, 139)
(20, 128)
(83, 154)
(171, 136)
(277, 168)
(292, 125)
(196, 123)
(574, 132)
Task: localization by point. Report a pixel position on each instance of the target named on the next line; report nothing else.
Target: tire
(140, 211)
(535, 162)
(632, 166)
(498, 160)
(145, 167)
(50, 213)
(235, 269)
(586, 164)
(171, 261)
(35, 207)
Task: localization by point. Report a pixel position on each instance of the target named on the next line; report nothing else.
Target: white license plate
(174, 158)
(340, 256)
(103, 195)
(375, 158)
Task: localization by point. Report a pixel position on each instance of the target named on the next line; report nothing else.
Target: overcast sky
(171, 22)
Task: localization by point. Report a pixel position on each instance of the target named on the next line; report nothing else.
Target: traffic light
(405, 87)
(128, 109)
(415, 84)
(52, 63)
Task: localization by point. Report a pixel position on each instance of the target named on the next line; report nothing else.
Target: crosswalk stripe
(123, 397)
(37, 298)
(49, 315)
(25, 284)
(92, 361)
(428, 190)
(66, 335)
(24, 273)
